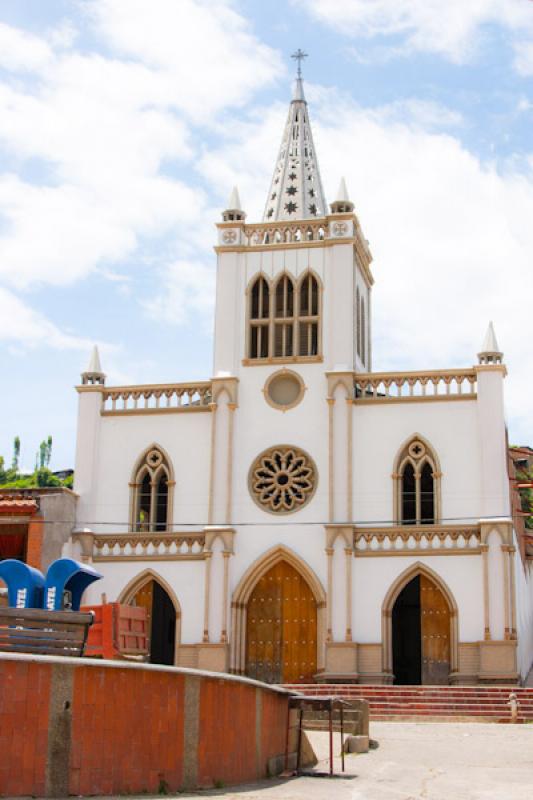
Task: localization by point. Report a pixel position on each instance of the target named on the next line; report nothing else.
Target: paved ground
(430, 761)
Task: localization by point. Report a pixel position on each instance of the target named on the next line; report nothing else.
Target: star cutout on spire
(291, 190)
(290, 207)
(293, 176)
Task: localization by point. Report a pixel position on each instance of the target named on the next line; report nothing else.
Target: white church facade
(300, 517)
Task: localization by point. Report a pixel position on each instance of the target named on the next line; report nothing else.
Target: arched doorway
(161, 621)
(281, 627)
(421, 633)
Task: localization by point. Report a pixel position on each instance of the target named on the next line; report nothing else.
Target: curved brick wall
(77, 726)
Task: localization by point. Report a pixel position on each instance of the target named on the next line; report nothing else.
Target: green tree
(16, 454)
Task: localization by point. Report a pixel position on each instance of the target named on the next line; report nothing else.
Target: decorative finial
(299, 56)
(490, 351)
(93, 375)
(234, 211)
(342, 203)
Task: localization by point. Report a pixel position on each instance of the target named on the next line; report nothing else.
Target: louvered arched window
(284, 318)
(259, 319)
(308, 316)
(151, 498)
(417, 484)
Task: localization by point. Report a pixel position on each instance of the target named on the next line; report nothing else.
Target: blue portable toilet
(67, 578)
(25, 584)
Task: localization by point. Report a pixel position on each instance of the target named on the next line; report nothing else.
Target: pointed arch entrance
(278, 620)
(420, 629)
(163, 615)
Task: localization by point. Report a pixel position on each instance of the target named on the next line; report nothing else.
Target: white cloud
(524, 57)
(107, 132)
(20, 50)
(453, 29)
(21, 326)
(451, 235)
(203, 52)
(186, 290)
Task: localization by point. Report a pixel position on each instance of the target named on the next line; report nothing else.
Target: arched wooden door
(161, 621)
(421, 626)
(281, 628)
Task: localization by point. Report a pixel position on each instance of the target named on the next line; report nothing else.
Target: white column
(87, 451)
(495, 500)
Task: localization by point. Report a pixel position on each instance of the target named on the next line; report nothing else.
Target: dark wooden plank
(45, 651)
(38, 614)
(38, 643)
(42, 633)
(20, 622)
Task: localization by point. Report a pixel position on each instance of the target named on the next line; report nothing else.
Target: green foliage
(526, 495)
(42, 475)
(16, 454)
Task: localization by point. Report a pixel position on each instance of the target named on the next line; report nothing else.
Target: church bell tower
(294, 289)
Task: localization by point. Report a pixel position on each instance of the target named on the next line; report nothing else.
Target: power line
(269, 524)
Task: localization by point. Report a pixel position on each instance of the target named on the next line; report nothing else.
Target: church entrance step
(437, 703)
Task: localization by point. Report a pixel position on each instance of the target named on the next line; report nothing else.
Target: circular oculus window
(282, 479)
(284, 390)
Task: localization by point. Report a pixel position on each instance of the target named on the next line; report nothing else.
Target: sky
(124, 126)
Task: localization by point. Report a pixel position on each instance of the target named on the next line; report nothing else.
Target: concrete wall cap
(89, 662)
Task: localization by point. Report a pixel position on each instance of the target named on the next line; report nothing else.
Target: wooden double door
(281, 628)
(161, 621)
(421, 634)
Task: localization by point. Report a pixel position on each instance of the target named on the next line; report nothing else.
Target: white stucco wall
(380, 431)
(524, 614)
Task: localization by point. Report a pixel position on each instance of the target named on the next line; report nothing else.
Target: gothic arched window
(284, 318)
(259, 319)
(151, 498)
(308, 316)
(417, 484)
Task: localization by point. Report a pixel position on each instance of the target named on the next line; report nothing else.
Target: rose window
(283, 479)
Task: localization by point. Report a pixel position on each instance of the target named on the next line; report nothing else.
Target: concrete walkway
(430, 761)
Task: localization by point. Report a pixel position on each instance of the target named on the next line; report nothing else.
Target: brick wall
(71, 726)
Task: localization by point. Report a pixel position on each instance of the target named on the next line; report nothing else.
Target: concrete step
(489, 703)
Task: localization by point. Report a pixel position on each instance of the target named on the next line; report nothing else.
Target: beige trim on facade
(268, 503)
(284, 372)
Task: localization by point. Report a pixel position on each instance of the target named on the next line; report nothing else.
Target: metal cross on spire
(299, 56)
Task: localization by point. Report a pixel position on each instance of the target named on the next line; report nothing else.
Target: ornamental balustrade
(407, 538)
(397, 386)
(258, 235)
(157, 398)
(146, 546)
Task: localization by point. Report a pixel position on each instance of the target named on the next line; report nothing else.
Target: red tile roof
(17, 504)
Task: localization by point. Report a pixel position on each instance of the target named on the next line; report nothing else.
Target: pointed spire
(233, 210)
(93, 374)
(296, 191)
(234, 202)
(342, 204)
(490, 352)
(298, 91)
